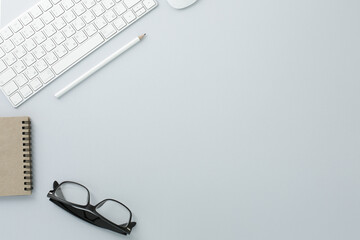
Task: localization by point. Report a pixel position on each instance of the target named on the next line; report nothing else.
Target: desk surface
(237, 121)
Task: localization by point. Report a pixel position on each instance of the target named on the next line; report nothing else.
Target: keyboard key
(78, 24)
(50, 58)
(26, 18)
(16, 99)
(45, 5)
(19, 66)
(79, 9)
(29, 59)
(137, 7)
(140, 12)
(90, 30)
(119, 23)
(49, 30)
(40, 65)
(130, 3)
(108, 3)
(35, 12)
(89, 3)
(88, 17)
(6, 76)
(69, 16)
(2, 53)
(19, 52)
(58, 38)
(10, 88)
(80, 37)
(25, 91)
(8, 46)
(60, 51)
(20, 80)
(9, 59)
(119, 9)
(110, 15)
(149, 3)
(108, 31)
(47, 17)
(2, 66)
(31, 72)
(18, 39)
(68, 31)
(49, 45)
(6, 33)
(28, 32)
(37, 25)
(78, 53)
(39, 37)
(30, 44)
(70, 44)
(39, 52)
(98, 10)
(35, 84)
(129, 16)
(100, 23)
(67, 4)
(57, 10)
(16, 26)
(46, 76)
(59, 23)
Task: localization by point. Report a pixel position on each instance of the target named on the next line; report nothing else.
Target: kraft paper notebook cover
(15, 156)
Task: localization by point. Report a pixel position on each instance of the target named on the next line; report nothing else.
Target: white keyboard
(53, 35)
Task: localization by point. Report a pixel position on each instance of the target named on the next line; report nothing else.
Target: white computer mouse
(179, 4)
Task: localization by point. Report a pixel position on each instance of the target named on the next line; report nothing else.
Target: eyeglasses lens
(73, 193)
(114, 212)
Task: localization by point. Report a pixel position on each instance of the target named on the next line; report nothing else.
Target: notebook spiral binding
(26, 138)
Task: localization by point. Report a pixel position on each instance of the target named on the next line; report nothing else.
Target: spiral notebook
(15, 156)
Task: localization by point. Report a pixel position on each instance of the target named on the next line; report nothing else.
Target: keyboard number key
(35, 11)
(16, 99)
(16, 26)
(26, 91)
(25, 18)
(45, 5)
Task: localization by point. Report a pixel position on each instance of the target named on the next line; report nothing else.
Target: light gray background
(232, 120)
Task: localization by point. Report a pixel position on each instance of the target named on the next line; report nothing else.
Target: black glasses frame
(88, 212)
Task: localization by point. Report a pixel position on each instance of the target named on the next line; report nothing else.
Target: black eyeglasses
(109, 213)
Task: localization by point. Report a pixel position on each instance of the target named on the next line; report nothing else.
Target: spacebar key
(77, 53)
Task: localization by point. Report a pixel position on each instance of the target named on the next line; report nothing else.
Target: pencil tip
(142, 36)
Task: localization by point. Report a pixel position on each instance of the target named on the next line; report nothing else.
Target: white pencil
(99, 66)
